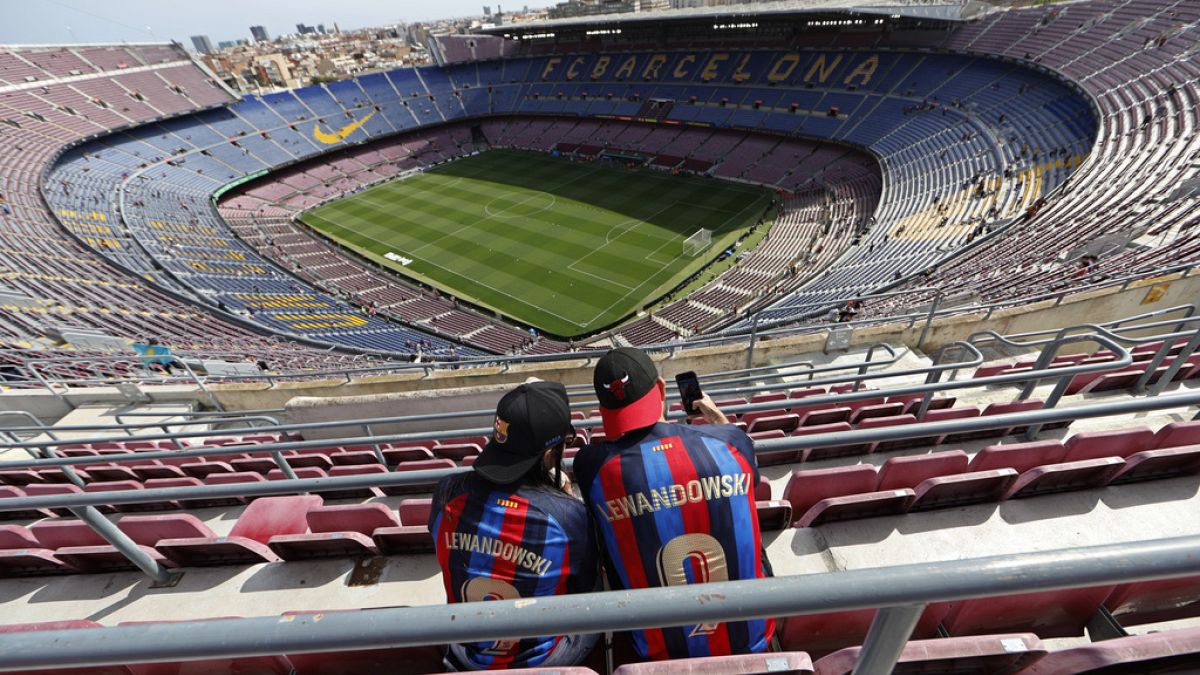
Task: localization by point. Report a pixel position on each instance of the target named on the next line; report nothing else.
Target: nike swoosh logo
(341, 134)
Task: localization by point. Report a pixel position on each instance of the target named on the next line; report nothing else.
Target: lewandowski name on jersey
(676, 495)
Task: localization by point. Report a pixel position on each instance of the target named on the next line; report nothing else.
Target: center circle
(504, 207)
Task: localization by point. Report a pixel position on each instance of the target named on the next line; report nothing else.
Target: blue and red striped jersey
(500, 542)
(674, 504)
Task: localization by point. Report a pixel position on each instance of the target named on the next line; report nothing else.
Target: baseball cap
(530, 420)
(625, 380)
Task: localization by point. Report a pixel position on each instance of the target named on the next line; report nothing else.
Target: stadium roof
(940, 11)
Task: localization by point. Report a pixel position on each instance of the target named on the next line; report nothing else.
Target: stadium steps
(670, 325)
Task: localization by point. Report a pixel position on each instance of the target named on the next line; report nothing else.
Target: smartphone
(689, 390)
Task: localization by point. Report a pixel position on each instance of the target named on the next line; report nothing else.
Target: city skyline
(75, 21)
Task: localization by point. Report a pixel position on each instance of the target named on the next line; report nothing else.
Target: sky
(67, 21)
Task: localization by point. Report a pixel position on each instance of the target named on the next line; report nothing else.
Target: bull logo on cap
(617, 387)
(501, 430)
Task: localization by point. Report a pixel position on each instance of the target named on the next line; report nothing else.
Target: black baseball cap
(626, 384)
(530, 420)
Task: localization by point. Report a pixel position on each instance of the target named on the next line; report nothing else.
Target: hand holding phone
(689, 391)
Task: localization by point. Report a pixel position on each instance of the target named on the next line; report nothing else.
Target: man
(673, 503)
(507, 529)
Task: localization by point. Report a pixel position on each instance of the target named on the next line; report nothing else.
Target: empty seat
(342, 530)
(970, 487)
(354, 470)
(420, 465)
(982, 655)
(797, 663)
(457, 451)
(11, 492)
(806, 488)
(123, 486)
(1154, 601)
(412, 535)
(1174, 651)
(891, 421)
(1081, 475)
(1112, 443)
(44, 489)
(246, 543)
(226, 479)
(1061, 613)
(908, 472)
(812, 454)
(1019, 457)
(1176, 434)
(21, 554)
(145, 531)
(1160, 463)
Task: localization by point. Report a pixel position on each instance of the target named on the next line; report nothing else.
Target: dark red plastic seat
(342, 530)
(21, 554)
(978, 655)
(1174, 651)
(412, 535)
(1062, 613)
(1112, 443)
(796, 663)
(415, 660)
(246, 543)
(1082, 475)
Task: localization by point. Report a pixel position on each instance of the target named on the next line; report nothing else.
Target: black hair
(540, 474)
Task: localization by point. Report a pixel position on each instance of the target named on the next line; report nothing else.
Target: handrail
(1123, 359)
(904, 588)
(391, 479)
(32, 367)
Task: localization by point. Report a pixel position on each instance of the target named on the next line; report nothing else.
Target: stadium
(245, 335)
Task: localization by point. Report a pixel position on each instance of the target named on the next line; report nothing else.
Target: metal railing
(900, 592)
(83, 504)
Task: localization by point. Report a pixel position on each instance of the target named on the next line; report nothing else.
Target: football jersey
(673, 505)
(501, 542)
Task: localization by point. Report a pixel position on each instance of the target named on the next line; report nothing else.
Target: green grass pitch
(568, 247)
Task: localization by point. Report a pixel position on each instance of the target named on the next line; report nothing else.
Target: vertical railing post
(933, 307)
(1180, 359)
(886, 638)
(753, 340)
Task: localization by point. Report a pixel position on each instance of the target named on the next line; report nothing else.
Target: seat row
(998, 472)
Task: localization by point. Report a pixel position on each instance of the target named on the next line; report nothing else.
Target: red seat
(343, 530)
(1176, 434)
(773, 514)
(21, 554)
(62, 532)
(186, 481)
(970, 487)
(11, 492)
(877, 410)
(124, 486)
(1114, 443)
(412, 535)
(767, 397)
(820, 634)
(982, 655)
(1081, 475)
(145, 531)
(354, 470)
(824, 452)
(66, 625)
(1019, 457)
(1062, 613)
(820, 416)
(226, 479)
(1154, 601)
(1161, 463)
(908, 472)
(457, 451)
(1175, 651)
(396, 455)
(420, 465)
(944, 415)
(43, 489)
(808, 487)
(203, 469)
(416, 660)
(891, 421)
(20, 477)
(772, 421)
(796, 663)
(246, 543)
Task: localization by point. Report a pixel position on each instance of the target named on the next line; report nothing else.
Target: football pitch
(568, 247)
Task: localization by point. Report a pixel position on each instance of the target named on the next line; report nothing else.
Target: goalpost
(697, 243)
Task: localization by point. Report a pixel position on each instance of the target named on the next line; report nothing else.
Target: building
(202, 44)
(259, 33)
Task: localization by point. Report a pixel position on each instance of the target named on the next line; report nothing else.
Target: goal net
(695, 244)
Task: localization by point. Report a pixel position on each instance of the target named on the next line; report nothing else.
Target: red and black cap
(530, 420)
(626, 384)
